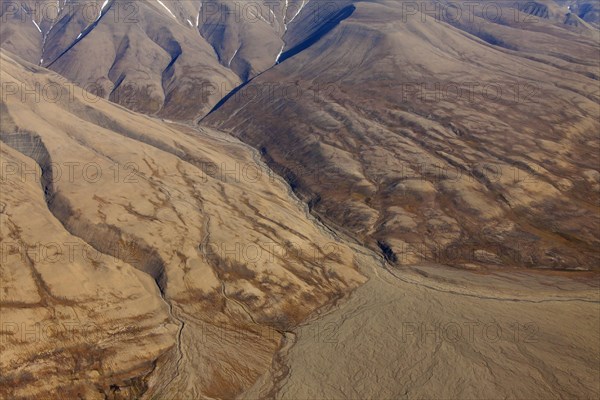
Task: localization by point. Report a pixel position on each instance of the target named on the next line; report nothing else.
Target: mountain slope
(227, 257)
(147, 258)
(176, 59)
(435, 145)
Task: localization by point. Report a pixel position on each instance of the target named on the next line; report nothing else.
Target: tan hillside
(204, 222)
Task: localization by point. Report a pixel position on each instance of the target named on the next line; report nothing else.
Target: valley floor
(435, 332)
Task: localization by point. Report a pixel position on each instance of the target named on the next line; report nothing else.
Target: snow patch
(285, 15)
(32, 19)
(304, 3)
(232, 57)
(36, 25)
(280, 53)
(166, 8)
(102, 9)
(100, 14)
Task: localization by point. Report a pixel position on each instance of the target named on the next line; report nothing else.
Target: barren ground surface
(433, 332)
(299, 199)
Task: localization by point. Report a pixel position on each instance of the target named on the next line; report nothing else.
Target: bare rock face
(197, 246)
(432, 139)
